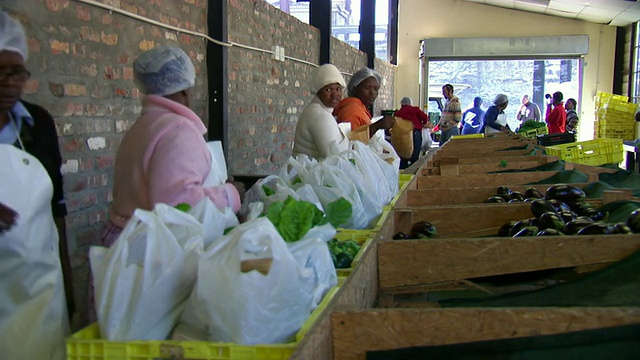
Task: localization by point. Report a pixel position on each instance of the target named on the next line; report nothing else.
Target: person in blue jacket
(495, 116)
(473, 118)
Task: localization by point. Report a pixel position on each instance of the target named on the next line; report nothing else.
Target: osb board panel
(472, 180)
(317, 343)
(486, 168)
(490, 159)
(416, 262)
(355, 333)
(360, 290)
(462, 220)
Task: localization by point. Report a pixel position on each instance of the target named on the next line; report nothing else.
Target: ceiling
(609, 12)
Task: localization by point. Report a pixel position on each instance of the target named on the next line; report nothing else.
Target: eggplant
(549, 232)
(596, 215)
(503, 190)
(567, 216)
(519, 225)
(550, 220)
(565, 193)
(343, 261)
(579, 207)
(530, 199)
(401, 235)
(633, 221)
(423, 229)
(541, 206)
(515, 195)
(495, 199)
(572, 227)
(504, 197)
(514, 201)
(595, 229)
(505, 228)
(621, 228)
(533, 193)
(526, 231)
(559, 205)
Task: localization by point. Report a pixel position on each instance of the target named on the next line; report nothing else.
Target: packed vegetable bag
(213, 219)
(382, 153)
(273, 189)
(142, 282)
(255, 289)
(295, 168)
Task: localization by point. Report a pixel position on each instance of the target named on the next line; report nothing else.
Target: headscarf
(12, 36)
(500, 99)
(164, 70)
(360, 76)
(325, 75)
(406, 101)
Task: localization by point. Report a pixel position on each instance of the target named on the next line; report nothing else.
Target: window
(635, 69)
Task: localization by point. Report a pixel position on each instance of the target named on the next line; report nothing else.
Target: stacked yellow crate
(614, 117)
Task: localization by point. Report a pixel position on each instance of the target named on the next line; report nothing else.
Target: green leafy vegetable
(267, 190)
(297, 180)
(294, 218)
(183, 207)
(503, 163)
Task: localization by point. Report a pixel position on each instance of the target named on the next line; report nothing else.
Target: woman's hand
(238, 185)
(8, 218)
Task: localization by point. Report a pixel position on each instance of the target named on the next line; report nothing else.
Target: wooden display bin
(486, 180)
(356, 332)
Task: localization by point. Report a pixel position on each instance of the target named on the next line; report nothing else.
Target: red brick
(31, 86)
(89, 34)
(83, 13)
(72, 145)
(73, 109)
(123, 58)
(86, 164)
(34, 44)
(121, 92)
(146, 45)
(130, 8)
(105, 162)
(75, 90)
(109, 39)
(89, 70)
(56, 5)
(56, 89)
(111, 73)
(127, 73)
(58, 47)
(106, 19)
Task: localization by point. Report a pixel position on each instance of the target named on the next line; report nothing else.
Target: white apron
(33, 312)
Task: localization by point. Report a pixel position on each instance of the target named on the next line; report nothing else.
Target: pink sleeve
(177, 168)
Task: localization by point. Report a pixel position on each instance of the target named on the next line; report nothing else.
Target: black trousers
(417, 144)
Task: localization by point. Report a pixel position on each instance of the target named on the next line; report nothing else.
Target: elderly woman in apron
(33, 310)
(163, 158)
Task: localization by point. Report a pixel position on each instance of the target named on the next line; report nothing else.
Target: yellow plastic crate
(592, 152)
(469, 136)
(86, 344)
(604, 98)
(614, 129)
(533, 133)
(364, 238)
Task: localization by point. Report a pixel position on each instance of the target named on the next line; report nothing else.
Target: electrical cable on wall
(112, 9)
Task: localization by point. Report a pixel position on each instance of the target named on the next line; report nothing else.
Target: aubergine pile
(419, 230)
(563, 210)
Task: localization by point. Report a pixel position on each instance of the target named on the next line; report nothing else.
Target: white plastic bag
(330, 183)
(427, 141)
(229, 305)
(218, 172)
(257, 193)
(142, 282)
(387, 160)
(214, 220)
(295, 168)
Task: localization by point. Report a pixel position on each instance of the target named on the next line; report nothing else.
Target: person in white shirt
(317, 132)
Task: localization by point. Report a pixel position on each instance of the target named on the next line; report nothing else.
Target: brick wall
(81, 62)
(266, 96)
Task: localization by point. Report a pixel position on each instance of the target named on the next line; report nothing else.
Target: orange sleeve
(352, 110)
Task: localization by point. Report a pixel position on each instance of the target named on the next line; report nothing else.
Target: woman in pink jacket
(163, 158)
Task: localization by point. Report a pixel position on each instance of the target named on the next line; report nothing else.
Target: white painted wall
(420, 19)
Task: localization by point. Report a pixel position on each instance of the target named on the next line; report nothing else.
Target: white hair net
(360, 76)
(325, 75)
(500, 99)
(164, 70)
(406, 101)
(12, 37)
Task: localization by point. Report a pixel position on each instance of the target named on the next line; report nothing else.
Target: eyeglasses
(18, 75)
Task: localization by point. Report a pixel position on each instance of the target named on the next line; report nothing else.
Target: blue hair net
(164, 70)
(12, 37)
(360, 76)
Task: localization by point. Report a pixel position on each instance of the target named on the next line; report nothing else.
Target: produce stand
(402, 268)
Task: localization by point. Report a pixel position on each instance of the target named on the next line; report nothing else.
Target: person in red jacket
(556, 117)
(420, 120)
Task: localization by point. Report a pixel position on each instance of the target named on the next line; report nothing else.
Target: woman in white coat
(317, 132)
(33, 310)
